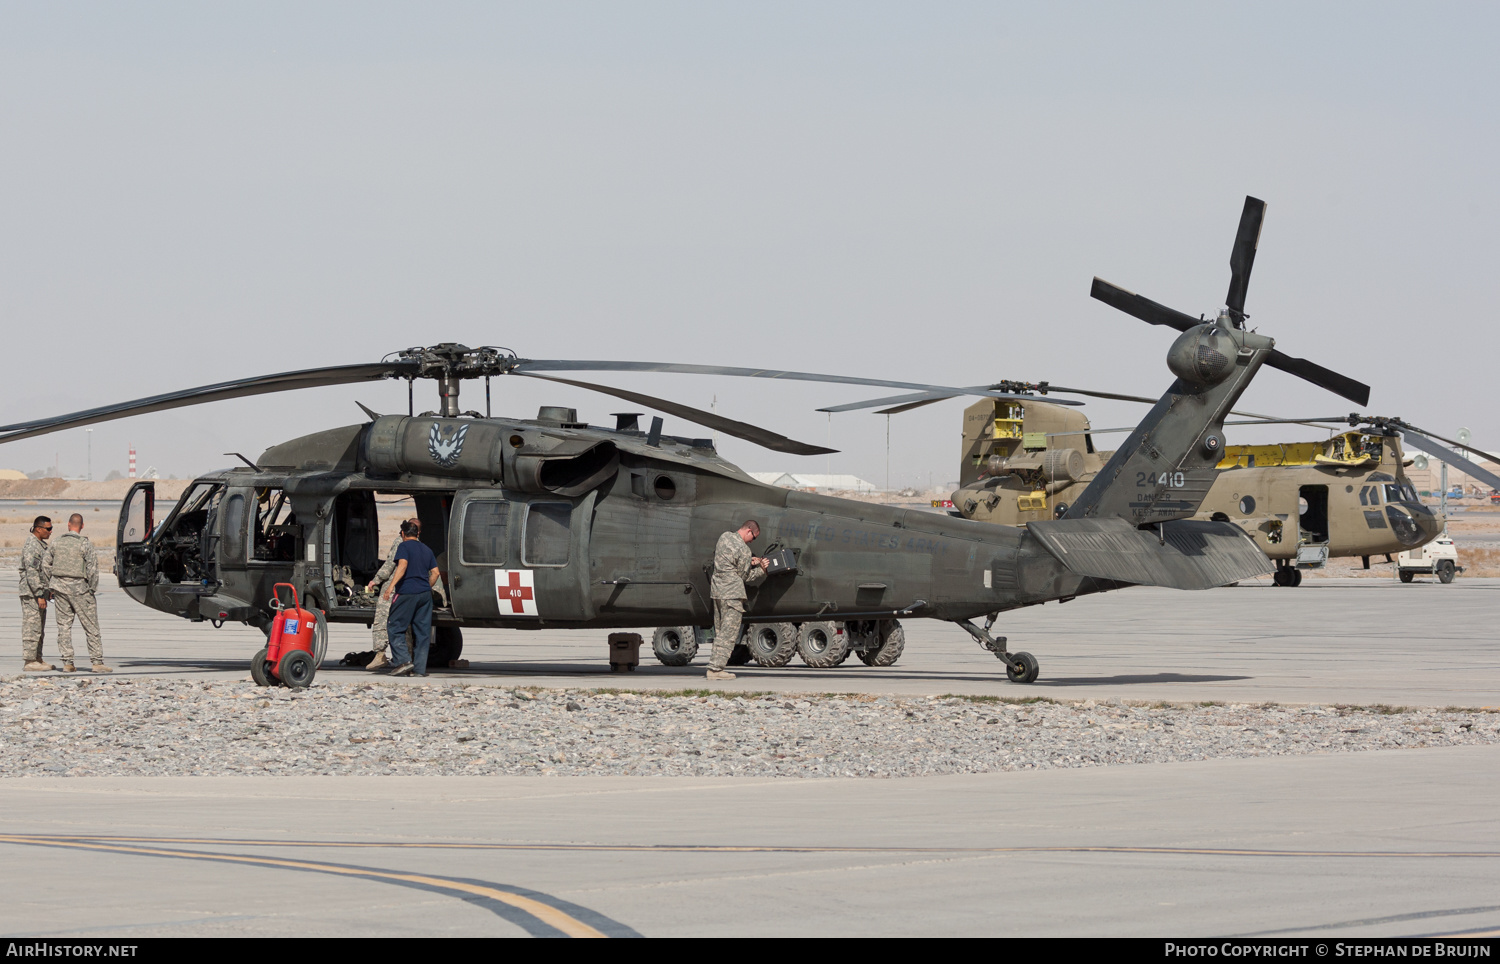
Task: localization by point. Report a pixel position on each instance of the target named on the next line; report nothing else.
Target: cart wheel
(1445, 572)
(1407, 576)
(1022, 668)
(258, 669)
(297, 669)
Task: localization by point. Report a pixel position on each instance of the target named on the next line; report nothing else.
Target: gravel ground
(52, 726)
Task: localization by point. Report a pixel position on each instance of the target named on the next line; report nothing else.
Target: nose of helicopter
(1429, 520)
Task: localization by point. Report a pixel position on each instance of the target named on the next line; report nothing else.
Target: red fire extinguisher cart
(290, 658)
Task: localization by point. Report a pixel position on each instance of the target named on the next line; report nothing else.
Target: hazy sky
(196, 192)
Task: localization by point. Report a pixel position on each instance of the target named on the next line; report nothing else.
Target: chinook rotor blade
(911, 405)
(1356, 392)
(744, 430)
(1445, 454)
(261, 385)
(917, 399)
(1242, 258)
(1143, 308)
(1408, 427)
(1269, 420)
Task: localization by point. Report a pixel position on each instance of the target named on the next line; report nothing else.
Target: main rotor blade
(938, 395)
(1356, 392)
(750, 433)
(260, 385)
(1451, 457)
(1143, 308)
(1242, 258)
(526, 365)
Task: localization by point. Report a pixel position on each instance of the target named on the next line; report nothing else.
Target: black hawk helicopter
(552, 523)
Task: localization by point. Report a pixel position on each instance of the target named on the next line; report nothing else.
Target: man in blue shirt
(416, 573)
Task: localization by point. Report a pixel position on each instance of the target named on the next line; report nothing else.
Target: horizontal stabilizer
(1195, 554)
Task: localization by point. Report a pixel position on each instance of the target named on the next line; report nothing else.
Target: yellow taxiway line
(566, 923)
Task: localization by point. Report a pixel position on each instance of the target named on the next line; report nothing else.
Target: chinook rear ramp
(1187, 554)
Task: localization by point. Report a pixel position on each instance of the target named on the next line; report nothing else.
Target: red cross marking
(516, 593)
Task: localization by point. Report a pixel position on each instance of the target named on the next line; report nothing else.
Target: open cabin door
(519, 559)
(134, 561)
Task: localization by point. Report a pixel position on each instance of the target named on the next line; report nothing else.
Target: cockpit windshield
(1400, 492)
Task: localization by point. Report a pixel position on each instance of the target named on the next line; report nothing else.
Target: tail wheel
(675, 645)
(297, 669)
(772, 644)
(821, 645)
(1022, 668)
(258, 669)
(892, 642)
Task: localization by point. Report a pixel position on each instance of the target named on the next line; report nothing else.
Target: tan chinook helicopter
(1303, 502)
(553, 523)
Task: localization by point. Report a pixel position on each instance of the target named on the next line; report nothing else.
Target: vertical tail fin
(1164, 470)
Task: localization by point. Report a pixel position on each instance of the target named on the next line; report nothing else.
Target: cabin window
(486, 533)
(1247, 504)
(665, 488)
(234, 527)
(548, 534)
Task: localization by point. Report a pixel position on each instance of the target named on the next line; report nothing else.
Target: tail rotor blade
(1143, 308)
(1356, 392)
(1242, 258)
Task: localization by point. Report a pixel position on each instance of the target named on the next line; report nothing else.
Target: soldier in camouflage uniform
(734, 568)
(73, 576)
(383, 607)
(34, 557)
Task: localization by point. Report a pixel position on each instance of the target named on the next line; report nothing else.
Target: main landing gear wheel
(1022, 668)
(258, 669)
(1287, 576)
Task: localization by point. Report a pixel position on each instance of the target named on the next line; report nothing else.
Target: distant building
(1428, 479)
(806, 482)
